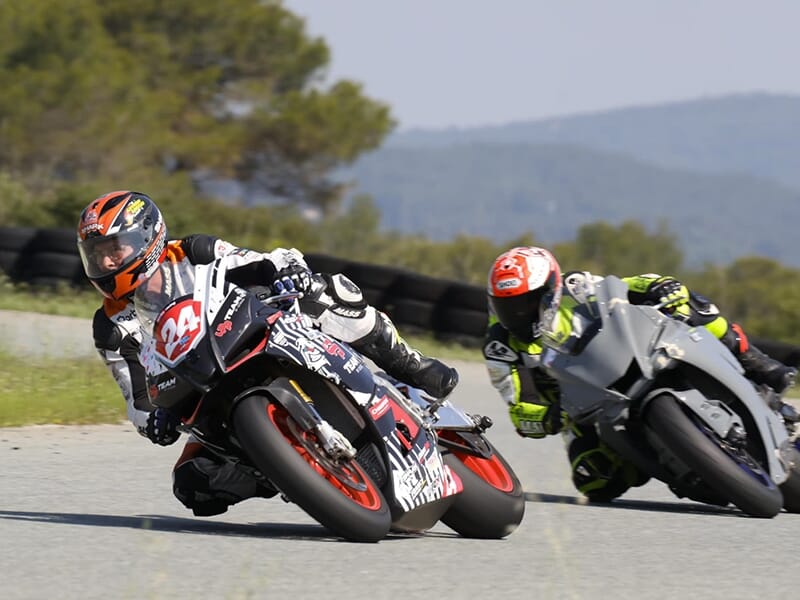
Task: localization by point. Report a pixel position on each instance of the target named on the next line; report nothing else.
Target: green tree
(624, 250)
(111, 90)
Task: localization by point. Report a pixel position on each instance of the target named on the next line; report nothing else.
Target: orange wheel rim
(348, 478)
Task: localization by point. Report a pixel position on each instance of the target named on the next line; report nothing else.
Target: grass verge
(37, 391)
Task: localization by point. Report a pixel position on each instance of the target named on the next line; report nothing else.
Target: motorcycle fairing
(294, 337)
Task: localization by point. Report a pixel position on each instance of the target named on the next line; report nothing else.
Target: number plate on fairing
(178, 329)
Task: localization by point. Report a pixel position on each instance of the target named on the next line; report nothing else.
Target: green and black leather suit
(533, 396)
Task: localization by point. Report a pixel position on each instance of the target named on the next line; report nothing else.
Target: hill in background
(723, 174)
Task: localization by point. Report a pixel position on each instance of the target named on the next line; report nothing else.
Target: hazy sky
(442, 63)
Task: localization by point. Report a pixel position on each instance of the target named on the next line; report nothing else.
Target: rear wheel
(492, 504)
(791, 487)
(337, 493)
(733, 474)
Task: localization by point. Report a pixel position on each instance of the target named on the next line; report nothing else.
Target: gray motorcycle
(674, 401)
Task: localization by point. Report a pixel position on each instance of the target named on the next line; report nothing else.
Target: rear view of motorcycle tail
(674, 402)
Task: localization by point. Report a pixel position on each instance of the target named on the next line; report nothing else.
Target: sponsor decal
(352, 365)
(133, 209)
(500, 351)
(169, 383)
(237, 302)
(223, 328)
(507, 284)
(380, 408)
(222, 248)
(333, 348)
(91, 228)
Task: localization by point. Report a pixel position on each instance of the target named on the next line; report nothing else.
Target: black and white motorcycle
(362, 453)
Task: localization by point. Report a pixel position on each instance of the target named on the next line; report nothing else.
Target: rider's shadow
(283, 531)
(686, 507)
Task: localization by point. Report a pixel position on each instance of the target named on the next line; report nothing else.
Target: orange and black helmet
(121, 239)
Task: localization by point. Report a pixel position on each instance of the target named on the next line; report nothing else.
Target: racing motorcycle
(674, 401)
(360, 452)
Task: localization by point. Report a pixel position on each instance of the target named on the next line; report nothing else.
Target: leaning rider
(529, 298)
(122, 239)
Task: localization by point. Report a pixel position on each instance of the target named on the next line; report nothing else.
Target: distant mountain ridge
(757, 134)
(722, 173)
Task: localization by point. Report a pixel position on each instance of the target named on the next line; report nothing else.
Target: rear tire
(791, 487)
(341, 496)
(492, 504)
(719, 470)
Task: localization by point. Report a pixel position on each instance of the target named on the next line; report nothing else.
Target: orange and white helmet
(520, 280)
(121, 239)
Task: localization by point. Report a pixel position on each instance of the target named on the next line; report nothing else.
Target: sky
(467, 63)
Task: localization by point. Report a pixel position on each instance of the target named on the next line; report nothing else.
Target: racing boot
(763, 369)
(391, 353)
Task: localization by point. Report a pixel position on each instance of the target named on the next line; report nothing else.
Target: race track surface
(87, 512)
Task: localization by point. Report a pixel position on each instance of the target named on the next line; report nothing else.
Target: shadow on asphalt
(689, 508)
(283, 531)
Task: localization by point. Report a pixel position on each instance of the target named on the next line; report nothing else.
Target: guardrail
(448, 309)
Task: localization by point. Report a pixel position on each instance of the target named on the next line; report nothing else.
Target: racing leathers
(532, 395)
(201, 481)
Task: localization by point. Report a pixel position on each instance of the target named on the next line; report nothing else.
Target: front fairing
(294, 337)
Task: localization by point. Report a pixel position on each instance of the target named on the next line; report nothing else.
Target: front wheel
(735, 476)
(338, 494)
(492, 504)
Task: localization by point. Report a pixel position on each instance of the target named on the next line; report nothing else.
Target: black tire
(462, 321)
(17, 239)
(46, 266)
(466, 296)
(791, 487)
(372, 276)
(61, 241)
(322, 263)
(9, 259)
(492, 504)
(718, 469)
(410, 286)
(307, 477)
(411, 312)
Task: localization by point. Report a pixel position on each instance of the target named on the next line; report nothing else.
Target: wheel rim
(740, 456)
(346, 477)
(491, 469)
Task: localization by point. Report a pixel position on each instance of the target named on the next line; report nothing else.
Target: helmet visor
(519, 314)
(108, 254)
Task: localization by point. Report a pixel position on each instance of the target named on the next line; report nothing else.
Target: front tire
(492, 504)
(748, 487)
(340, 495)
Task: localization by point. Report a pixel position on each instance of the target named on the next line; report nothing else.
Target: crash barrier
(449, 309)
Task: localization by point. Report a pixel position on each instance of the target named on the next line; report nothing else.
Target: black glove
(671, 292)
(162, 427)
(294, 278)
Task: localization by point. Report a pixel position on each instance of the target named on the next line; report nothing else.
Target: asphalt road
(87, 512)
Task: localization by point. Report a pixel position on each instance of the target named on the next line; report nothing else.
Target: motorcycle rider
(532, 303)
(122, 239)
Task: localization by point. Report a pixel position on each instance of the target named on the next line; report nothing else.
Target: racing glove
(535, 420)
(669, 291)
(295, 278)
(162, 427)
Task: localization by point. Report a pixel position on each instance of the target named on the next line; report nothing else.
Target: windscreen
(170, 281)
